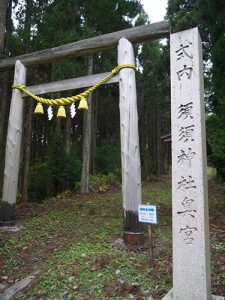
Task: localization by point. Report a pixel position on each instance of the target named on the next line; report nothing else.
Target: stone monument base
(14, 228)
(169, 296)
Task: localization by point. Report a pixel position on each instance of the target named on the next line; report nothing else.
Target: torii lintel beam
(89, 46)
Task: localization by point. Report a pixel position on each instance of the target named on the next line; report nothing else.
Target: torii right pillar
(130, 151)
(191, 250)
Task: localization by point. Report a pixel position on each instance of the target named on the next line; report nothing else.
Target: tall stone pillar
(191, 252)
(191, 261)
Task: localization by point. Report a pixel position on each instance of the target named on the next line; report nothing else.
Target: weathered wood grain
(69, 84)
(130, 152)
(89, 46)
(13, 143)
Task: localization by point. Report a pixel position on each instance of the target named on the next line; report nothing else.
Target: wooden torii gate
(191, 254)
(130, 154)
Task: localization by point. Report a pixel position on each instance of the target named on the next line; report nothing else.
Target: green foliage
(110, 16)
(100, 182)
(182, 14)
(96, 274)
(108, 157)
(153, 105)
(208, 15)
(57, 173)
(39, 182)
(72, 169)
(216, 136)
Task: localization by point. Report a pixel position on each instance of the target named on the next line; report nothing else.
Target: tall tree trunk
(4, 78)
(151, 138)
(3, 9)
(87, 138)
(94, 133)
(158, 131)
(58, 127)
(26, 150)
(9, 27)
(27, 122)
(5, 25)
(68, 132)
(146, 144)
(4, 96)
(27, 23)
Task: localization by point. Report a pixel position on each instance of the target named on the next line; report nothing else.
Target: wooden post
(150, 245)
(130, 153)
(150, 249)
(13, 145)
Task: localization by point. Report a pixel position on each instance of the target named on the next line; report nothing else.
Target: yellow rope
(69, 100)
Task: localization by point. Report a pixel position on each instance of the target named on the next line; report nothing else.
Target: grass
(75, 243)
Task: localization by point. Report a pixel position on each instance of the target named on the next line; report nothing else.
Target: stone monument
(191, 252)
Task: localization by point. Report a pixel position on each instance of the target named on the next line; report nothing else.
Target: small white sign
(147, 214)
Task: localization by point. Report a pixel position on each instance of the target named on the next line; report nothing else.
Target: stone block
(191, 259)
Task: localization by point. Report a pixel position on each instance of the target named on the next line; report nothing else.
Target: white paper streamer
(50, 113)
(72, 110)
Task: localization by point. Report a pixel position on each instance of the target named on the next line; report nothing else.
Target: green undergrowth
(76, 244)
(95, 271)
(100, 182)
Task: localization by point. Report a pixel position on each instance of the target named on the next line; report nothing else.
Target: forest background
(53, 151)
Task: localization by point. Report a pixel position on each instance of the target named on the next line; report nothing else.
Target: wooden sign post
(148, 214)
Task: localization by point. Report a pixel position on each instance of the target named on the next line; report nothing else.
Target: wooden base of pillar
(133, 238)
(7, 214)
(133, 229)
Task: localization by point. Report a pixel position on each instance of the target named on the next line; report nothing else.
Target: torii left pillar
(12, 153)
(130, 152)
